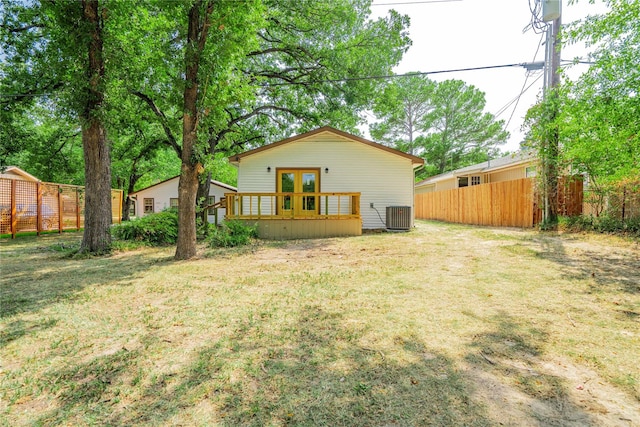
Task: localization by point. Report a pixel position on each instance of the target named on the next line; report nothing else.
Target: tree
(49, 144)
(402, 109)
(263, 71)
(443, 122)
(216, 77)
(599, 118)
(598, 122)
(59, 46)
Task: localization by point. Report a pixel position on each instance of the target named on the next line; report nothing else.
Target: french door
(298, 181)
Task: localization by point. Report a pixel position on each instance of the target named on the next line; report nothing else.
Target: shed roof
(12, 172)
(214, 182)
(416, 161)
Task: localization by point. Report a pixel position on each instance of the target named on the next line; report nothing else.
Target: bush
(157, 229)
(233, 233)
(601, 224)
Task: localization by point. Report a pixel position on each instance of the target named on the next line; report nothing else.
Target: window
(475, 180)
(173, 203)
(530, 172)
(132, 208)
(463, 181)
(211, 200)
(148, 206)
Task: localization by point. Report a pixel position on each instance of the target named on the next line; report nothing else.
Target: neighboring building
(323, 183)
(164, 195)
(508, 168)
(14, 172)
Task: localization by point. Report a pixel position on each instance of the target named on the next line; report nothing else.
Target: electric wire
(537, 25)
(515, 98)
(393, 76)
(525, 82)
(344, 79)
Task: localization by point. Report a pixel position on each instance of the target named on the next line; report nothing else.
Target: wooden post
(14, 219)
(77, 209)
(38, 208)
(60, 210)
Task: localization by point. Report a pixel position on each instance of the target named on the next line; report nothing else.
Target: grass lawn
(444, 325)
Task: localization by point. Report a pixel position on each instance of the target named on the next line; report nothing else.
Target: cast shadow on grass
(312, 371)
(19, 328)
(609, 272)
(509, 355)
(54, 279)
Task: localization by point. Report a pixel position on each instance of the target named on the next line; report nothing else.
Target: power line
(525, 82)
(347, 79)
(394, 76)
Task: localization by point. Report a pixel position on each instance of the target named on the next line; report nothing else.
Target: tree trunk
(191, 167)
(203, 201)
(551, 161)
(97, 161)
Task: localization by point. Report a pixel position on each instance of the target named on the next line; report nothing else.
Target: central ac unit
(398, 217)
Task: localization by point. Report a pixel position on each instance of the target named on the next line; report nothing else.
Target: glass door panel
(286, 184)
(298, 181)
(309, 185)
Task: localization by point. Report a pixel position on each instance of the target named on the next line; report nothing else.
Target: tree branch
(21, 29)
(163, 120)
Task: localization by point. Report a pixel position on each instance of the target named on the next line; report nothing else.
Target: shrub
(233, 233)
(601, 224)
(157, 229)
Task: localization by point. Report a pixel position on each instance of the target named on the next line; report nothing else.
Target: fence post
(14, 214)
(38, 207)
(60, 210)
(77, 209)
(624, 200)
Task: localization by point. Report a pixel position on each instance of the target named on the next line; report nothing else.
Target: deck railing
(293, 205)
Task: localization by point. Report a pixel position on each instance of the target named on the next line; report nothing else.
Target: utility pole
(551, 145)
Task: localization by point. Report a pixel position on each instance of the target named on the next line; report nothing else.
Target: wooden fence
(500, 204)
(27, 206)
(620, 201)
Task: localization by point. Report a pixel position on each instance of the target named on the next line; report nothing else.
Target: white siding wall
(383, 178)
(447, 184)
(507, 175)
(430, 188)
(162, 193)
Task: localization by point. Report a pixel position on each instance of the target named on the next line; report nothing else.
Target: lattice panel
(26, 205)
(60, 204)
(5, 206)
(72, 204)
(50, 216)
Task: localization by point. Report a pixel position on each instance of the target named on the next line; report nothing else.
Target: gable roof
(13, 172)
(416, 161)
(214, 182)
(511, 160)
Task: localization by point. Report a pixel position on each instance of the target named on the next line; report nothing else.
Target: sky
(456, 34)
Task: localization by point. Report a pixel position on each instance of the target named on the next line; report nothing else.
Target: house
(14, 172)
(499, 192)
(508, 168)
(323, 183)
(163, 195)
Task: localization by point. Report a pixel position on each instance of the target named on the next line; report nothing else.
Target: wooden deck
(297, 215)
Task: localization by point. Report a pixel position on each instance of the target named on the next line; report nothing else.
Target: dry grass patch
(445, 325)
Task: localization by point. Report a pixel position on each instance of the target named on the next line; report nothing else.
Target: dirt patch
(585, 400)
